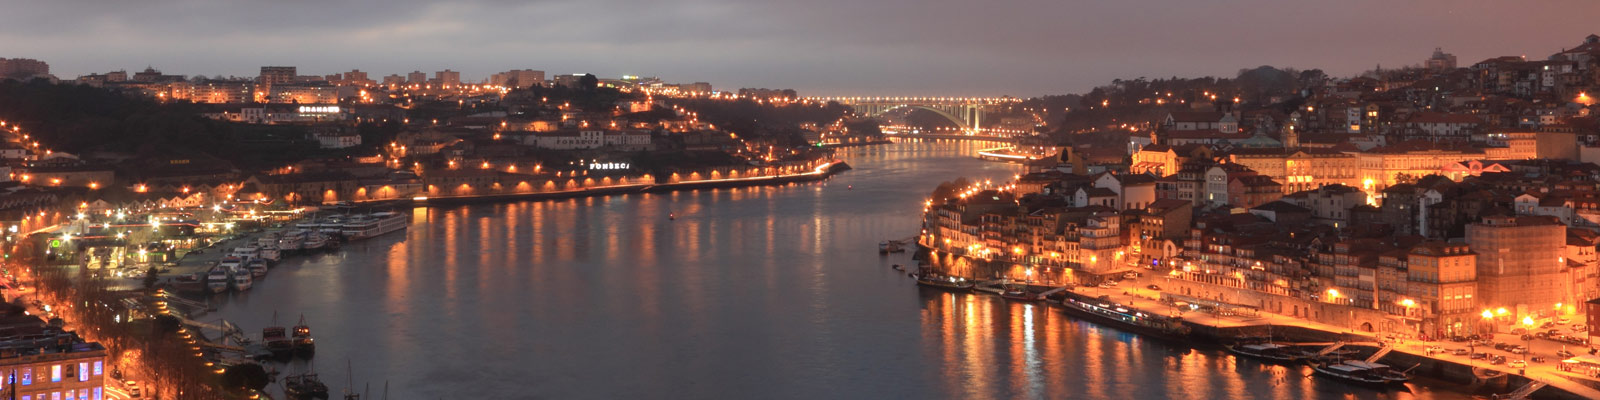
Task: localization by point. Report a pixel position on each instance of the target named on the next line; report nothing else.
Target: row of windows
(80, 394)
(57, 372)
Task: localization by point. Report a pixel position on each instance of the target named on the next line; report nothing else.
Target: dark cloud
(930, 47)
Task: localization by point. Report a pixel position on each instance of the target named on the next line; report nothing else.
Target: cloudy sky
(820, 47)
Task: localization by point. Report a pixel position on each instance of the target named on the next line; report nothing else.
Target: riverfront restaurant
(1584, 364)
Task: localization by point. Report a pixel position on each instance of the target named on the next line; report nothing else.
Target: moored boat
(1267, 351)
(218, 279)
(304, 346)
(292, 241)
(241, 278)
(375, 224)
(271, 253)
(277, 340)
(258, 268)
(1363, 372)
(945, 282)
(315, 241)
(304, 387)
(1120, 316)
(1020, 295)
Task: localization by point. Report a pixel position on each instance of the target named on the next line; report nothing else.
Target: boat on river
(217, 280)
(271, 253)
(1361, 372)
(1120, 316)
(315, 241)
(304, 387)
(292, 240)
(241, 278)
(304, 346)
(945, 282)
(1267, 352)
(277, 340)
(370, 225)
(257, 267)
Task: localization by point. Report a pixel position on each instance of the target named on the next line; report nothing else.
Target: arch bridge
(966, 112)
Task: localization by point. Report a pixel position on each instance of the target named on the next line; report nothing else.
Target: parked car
(1499, 346)
(1563, 321)
(1519, 364)
(1519, 350)
(133, 389)
(1497, 360)
(1519, 331)
(1537, 359)
(1565, 354)
(1459, 352)
(1530, 337)
(1478, 356)
(1153, 287)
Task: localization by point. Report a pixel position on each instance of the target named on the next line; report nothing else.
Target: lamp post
(1527, 339)
(1410, 304)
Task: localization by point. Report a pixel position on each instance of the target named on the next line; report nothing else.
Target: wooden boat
(1362, 372)
(304, 387)
(945, 282)
(304, 346)
(1267, 351)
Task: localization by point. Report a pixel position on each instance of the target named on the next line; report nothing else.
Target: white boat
(241, 279)
(246, 252)
(217, 279)
(315, 241)
(258, 268)
(292, 240)
(333, 225)
(375, 224)
(271, 253)
(231, 262)
(269, 239)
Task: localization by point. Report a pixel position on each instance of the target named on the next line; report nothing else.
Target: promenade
(1135, 293)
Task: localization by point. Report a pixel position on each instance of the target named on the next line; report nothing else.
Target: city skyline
(1020, 48)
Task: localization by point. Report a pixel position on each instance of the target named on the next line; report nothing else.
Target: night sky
(819, 47)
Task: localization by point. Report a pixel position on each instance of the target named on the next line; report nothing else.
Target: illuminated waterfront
(764, 292)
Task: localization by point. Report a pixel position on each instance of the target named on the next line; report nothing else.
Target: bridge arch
(964, 124)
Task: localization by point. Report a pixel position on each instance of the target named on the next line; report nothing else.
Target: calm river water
(766, 292)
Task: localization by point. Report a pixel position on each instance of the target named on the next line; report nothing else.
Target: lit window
(98, 393)
(83, 371)
(27, 376)
(97, 368)
(55, 373)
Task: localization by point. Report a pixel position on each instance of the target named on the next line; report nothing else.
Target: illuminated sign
(608, 166)
(319, 109)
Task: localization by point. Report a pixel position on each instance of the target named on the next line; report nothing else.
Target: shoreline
(829, 171)
(1212, 331)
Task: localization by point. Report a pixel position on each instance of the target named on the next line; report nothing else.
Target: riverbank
(821, 172)
(1220, 326)
(856, 144)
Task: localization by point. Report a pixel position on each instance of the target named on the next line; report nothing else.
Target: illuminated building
(1521, 263)
(48, 362)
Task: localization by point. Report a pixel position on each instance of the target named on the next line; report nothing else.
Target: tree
(588, 82)
(150, 278)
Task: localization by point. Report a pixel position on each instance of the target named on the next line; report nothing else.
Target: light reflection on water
(766, 292)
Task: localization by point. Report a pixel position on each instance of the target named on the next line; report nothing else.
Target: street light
(1527, 338)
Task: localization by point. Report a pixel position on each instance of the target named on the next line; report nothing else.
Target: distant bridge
(966, 112)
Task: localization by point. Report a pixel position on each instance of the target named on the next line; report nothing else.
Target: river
(764, 292)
